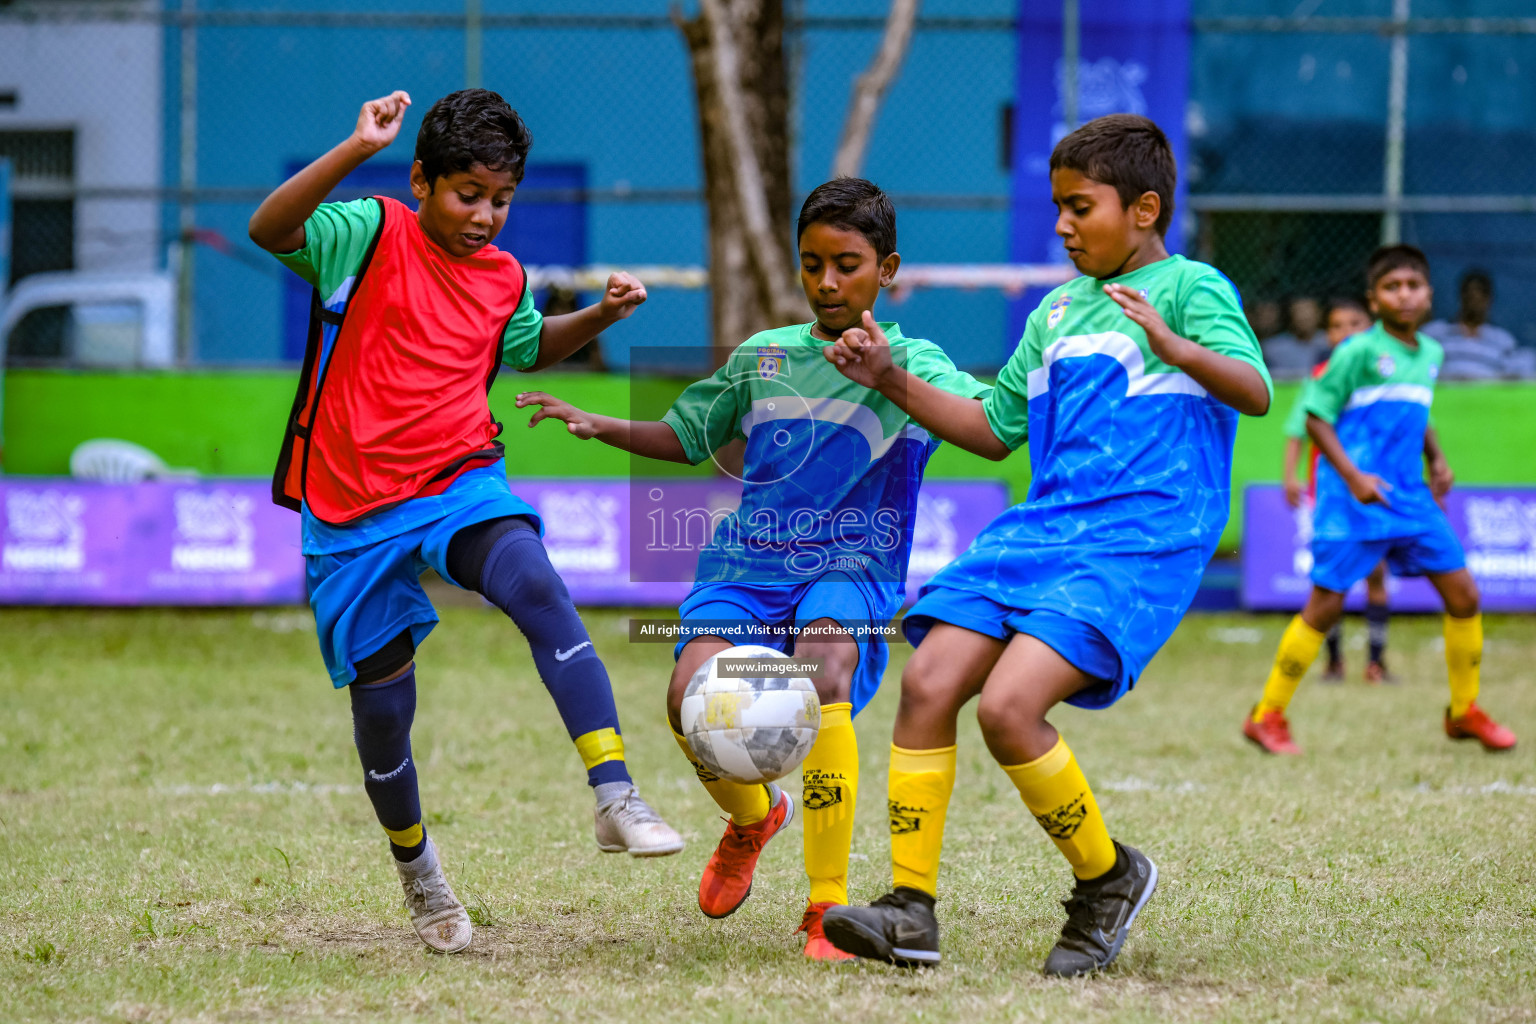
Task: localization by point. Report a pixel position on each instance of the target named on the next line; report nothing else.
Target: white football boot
(436, 913)
(627, 824)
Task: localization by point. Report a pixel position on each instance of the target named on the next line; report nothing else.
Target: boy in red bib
(391, 456)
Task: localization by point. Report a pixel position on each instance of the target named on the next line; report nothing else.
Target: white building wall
(105, 81)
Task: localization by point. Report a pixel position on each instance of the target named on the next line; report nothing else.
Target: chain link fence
(174, 120)
(234, 98)
(1315, 139)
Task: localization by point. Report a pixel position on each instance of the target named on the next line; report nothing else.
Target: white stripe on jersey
(831, 410)
(1123, 350)
(1418, 394)
(342, 294)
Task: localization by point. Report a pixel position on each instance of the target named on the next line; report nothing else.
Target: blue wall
(1268, 113)
(619, 102)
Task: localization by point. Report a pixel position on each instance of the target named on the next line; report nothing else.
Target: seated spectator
(1263, 316)
(1474, 348)
(1292, 354)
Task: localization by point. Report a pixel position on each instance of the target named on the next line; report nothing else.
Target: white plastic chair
(108, 460)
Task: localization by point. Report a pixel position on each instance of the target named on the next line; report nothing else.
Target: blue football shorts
(761, 613)
(1338, 565)
(366, 596)
(1082, 645)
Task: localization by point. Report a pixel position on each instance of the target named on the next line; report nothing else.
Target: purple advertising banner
(223, 542)
(208, 542)
(1497, 526)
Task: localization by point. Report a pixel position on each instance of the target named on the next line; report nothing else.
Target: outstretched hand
(379, 121)
(623, 294)
(862, 354)
(578, 423)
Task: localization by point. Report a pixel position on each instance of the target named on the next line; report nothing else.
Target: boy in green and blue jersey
(820, 542)
(1368, 414)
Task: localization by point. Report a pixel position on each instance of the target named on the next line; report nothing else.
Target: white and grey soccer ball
(752, 729)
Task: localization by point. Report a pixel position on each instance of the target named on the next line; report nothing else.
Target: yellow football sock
(831, 777)
(1298, 649)
(747, 805)
(1058, 796)
(920, 784)
(1463, 659)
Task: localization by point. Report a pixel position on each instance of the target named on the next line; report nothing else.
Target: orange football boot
(1476, 725)
(1271, 732)
(727, 880)
(817, 946)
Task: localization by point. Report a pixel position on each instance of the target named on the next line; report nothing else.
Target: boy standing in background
(1345, 318)
(1368, 414)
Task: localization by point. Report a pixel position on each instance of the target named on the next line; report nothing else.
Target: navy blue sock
(1376, 618)
(381, 726)
(517, 577)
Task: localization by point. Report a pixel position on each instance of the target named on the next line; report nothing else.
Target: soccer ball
(750, 730)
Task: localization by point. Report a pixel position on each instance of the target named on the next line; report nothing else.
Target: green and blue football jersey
(1131, 459)
(1377, 393)
(831, 468)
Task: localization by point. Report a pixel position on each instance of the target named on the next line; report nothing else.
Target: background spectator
(1263, 317)
(1474, 348)
(1291, 355)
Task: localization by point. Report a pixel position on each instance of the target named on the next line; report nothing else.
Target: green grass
(183, 836)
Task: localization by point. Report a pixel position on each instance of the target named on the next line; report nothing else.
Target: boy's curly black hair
(468, 127)
(1127, 151)
(852, 204)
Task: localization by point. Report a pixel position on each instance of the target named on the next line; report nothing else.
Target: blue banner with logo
(1133, 57)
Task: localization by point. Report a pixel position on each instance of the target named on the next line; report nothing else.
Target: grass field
(185, 837)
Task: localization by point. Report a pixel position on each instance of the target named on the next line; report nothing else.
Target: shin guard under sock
(921, 782)
(382, 714)
(518, 578)
(746, 805)
(1057, 794)
(1298, 649)
(831, 778)
(1463, 660)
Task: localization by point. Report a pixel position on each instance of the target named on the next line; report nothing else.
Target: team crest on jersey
(770, 361)
(1058, 310)
(1386, 365)
(1434, 372)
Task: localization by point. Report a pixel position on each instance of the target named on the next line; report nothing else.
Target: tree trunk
(737, 50)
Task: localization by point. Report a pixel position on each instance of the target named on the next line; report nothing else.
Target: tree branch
(870, 87)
